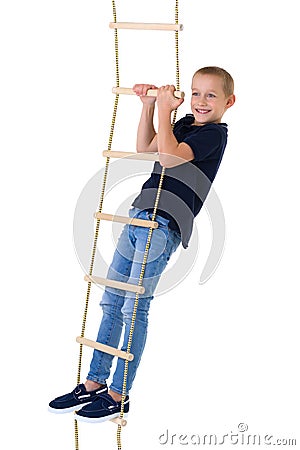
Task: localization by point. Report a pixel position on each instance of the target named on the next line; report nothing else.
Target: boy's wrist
(164, 114)
(149, 107)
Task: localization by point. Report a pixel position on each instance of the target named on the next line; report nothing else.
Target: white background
(218, 354)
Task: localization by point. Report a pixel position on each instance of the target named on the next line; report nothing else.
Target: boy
(191, 154)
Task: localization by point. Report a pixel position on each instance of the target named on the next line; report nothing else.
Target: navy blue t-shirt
(186, 186)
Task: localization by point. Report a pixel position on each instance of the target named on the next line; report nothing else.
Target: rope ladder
(90, 278)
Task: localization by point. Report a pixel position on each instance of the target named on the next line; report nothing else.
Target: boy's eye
(195, 93)
(211, 95)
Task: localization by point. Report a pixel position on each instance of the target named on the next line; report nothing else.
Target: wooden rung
(146, 26)
(146, 156)
(105, 348)
(129, 220)
(119, 421)
(150, 92)
(116, 284)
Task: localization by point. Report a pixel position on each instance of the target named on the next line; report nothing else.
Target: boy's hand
(141, 91)
(166, 100)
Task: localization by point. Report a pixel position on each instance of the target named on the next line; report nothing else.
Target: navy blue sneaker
(75, 399)
(104, 408)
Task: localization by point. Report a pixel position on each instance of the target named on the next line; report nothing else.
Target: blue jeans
(117, 305)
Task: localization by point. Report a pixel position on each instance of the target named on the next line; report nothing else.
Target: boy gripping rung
(150, 92)
(129, 220)
(116, 284)
(147, 156)
(146, 26)
(105, 348)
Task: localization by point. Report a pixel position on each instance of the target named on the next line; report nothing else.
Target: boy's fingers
(142, 89)
(167, 88)
(138, 89)
(150, 86)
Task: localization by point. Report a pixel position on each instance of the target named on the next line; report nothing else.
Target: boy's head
(212, 94)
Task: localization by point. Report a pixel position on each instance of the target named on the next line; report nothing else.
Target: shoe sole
(98, 419)
(67, 410)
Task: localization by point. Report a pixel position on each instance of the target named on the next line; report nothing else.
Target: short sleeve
(206, 142)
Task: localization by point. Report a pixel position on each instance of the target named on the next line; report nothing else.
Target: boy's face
(208, 101)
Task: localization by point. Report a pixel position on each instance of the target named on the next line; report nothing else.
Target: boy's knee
(112, 311)
(112, 308)
(141, 312)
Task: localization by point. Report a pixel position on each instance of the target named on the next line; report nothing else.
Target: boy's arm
(171, 153)
(146, 135)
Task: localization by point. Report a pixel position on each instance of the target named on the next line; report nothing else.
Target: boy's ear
(230, 101)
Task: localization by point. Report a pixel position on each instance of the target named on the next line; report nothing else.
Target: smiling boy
(191, 152)
(212, 95)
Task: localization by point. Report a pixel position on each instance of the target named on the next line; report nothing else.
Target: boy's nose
(201, 101)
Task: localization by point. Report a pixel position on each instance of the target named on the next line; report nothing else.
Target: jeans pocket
(133, 212)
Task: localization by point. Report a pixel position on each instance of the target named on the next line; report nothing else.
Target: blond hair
(228, 83)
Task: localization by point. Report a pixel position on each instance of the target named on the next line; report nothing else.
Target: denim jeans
(117, 305)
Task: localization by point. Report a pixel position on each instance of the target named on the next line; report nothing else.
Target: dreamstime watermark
(87, 204)
(239, 437)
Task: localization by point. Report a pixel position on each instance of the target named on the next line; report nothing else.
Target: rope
(94, 249)
(147, 247)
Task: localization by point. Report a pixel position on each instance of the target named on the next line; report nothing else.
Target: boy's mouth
(202, 111)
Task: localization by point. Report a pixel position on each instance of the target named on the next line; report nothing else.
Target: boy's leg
(164, 242)
(112, 302)
(109, 332)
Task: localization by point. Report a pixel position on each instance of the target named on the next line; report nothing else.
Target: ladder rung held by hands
(146, 26)
(150, 92)
(145, 156)
(129, 220)
(105, 348)
(116, 284)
